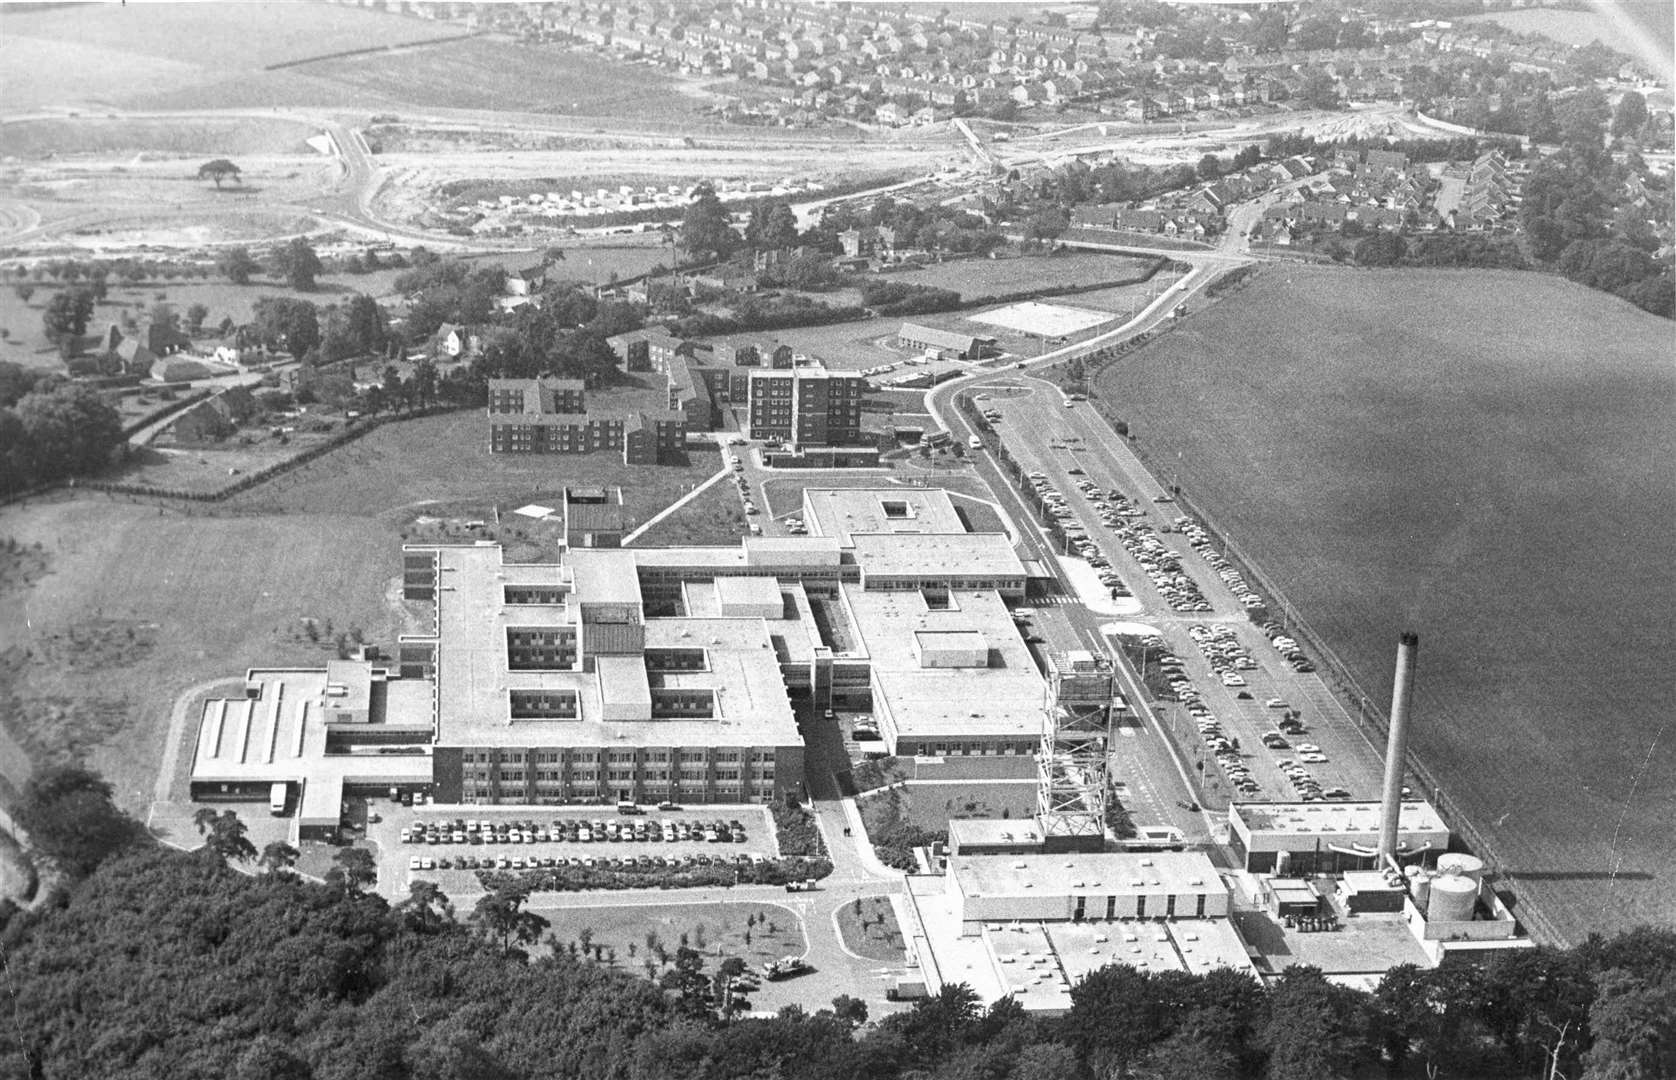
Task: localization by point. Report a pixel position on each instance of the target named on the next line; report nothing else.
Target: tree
(70, 820)
(1634, 1026)
(353, 869)
(1314, 1029)
(287, 323)
(1381, 249)
(499, 916)
(195, 316)
(67, 314)
(852, 1011)
(278, 858)
(224, 834)
(1630, 116)
(1210, 168)
(705, 228)
(297, 263)
(237, 264)
(24, 291)
(218, 170)
(427, 909)
(1583, 118)
(68, 430)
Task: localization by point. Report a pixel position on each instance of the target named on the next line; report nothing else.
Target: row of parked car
(537, 862)
(1221, 648)
(1163, 566)
(1200, 541)
(1287, 647)
(460, 831)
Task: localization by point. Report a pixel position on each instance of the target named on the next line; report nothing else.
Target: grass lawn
(637, 933)
(1482, 458)
(972, 278)
(716, 517)
(441, 465)
(868, 927)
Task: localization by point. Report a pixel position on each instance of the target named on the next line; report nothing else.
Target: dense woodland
(149, 962)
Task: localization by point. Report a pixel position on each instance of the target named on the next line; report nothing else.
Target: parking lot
(449, 844)
(1227, 667)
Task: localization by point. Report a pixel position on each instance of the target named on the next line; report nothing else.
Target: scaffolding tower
(1071, 767)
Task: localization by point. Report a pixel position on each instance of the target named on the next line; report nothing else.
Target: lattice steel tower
(1071, 767)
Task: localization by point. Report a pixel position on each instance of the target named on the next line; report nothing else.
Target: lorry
(806, 885)
(785, 968)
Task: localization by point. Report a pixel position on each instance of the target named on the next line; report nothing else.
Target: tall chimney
(1396, 747)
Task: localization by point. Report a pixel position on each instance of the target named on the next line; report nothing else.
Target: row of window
(614, 757)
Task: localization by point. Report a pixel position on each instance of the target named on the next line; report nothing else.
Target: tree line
(146, 961)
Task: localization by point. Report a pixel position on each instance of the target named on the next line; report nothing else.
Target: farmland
(1391, 465)
(504, 76)
(98, 54)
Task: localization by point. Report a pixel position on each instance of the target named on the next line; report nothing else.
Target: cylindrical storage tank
(1422, 890)
(1467, 866)
(1452, 899)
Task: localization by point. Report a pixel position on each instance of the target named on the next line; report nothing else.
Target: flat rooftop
(936, 555)
(1337, 818)
(1095, 874)
(1005, 698)
(474, 683)
(280, 736)
(993, 831)
(1365, 945)
(842, 512)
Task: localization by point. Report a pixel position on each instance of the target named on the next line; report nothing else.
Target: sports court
(1044, 320)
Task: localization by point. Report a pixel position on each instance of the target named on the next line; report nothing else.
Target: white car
(1313, 759)
(1308, 748)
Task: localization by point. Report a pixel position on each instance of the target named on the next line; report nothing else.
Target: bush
(795, 826)
(902, 298)
(584, 878)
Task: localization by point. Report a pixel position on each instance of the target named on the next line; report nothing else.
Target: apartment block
(804, 405)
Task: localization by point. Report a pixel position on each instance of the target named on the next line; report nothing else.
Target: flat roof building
(1032, 926)
(1326, 837)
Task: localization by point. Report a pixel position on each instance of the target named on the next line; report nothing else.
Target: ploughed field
(1482, 458)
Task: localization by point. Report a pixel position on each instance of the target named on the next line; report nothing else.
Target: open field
(436, 464)
(494, 74)
(137, 605)
(636, 933)
(992, 277)
(227, 137)
(1481, 458)
(90, 54)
